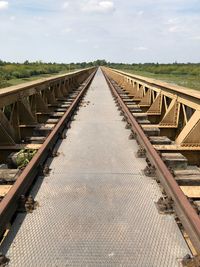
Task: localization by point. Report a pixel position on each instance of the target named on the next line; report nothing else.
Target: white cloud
(3, 5)
(177, 28)
(66, 5)
(81, 41)
(12, 18)
(66, 30)
(173, 29)
(196, 38)
(141, 48)
(172, 21)
(98, 6)
(140, 13)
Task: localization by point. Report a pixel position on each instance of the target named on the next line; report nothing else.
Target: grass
(189, 81)
(34, 78)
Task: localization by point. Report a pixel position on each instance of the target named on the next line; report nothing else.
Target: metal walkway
(96, 208)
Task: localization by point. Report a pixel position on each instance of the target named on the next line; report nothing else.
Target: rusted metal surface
(182, 206)
(25, 107)
(173, 109)
(96, 207)
(9, 203)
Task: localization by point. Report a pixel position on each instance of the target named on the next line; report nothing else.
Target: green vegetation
(24, 156)
(187, 75)
(15, 73)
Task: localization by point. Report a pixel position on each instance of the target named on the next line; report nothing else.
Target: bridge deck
(96, 208)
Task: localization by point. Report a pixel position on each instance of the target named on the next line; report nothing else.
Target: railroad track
(164, 119)
(33, 117)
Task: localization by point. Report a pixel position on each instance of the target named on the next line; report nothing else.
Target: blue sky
(115, 30)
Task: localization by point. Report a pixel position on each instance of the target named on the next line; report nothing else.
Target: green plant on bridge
(24, 156)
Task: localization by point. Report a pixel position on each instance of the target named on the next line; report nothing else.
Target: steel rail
(9, 204)
(184, 210)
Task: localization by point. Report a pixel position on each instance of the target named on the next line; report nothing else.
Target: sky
(131, 31)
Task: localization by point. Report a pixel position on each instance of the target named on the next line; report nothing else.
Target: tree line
(11, 70)
(156, 68)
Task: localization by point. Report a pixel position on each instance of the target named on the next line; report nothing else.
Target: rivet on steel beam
(64, 134)
(128, 126)
(141, 153)
(189, 261)
(46, 170)
(165, 205)
(132, 136)
(68, 125)
(72, 118)
(55, 153)
(27, 204)
(3, 260)
(150, 170)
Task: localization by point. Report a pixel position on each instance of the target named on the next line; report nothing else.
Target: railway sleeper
(35, 139)
(135, 109)
(9, 176)
(57, 114)
(42, 117)
(143, 122)
(60, 110)
(42, 130)
(133, 106)
(52, 121)
(125, 97)
(191, 191)
(53, 106)
(188, 177)
(4, 190)
(66, 106)
(140, 116)
(129, 101)
(151, 131)
(61, 99)
(160, 140)
(175, 161)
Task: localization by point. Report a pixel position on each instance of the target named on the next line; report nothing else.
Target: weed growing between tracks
(22, 158)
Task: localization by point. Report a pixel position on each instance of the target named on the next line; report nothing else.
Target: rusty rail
(9, 204)
(184, 210)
